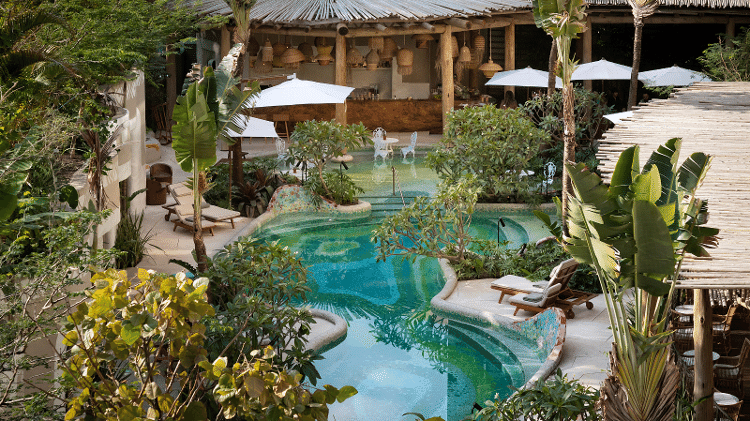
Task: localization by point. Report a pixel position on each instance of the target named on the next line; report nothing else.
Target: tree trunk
(200, 246)
(551, 65)
(638, 22)
(569, 148)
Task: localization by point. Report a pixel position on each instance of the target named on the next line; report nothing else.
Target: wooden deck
(713, 118)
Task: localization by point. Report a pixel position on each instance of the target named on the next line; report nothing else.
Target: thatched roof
(331, 11)
(711, 4)
(714, 118)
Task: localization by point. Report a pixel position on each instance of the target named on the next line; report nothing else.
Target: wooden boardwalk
(713, 118)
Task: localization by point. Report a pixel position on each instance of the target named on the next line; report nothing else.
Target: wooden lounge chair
(183, 195)
(536, 302)
(512, 285)
(185, 219)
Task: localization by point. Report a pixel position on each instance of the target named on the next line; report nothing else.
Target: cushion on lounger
(534, 297)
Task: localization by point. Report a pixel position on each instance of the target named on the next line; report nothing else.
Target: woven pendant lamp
(405, 60)
(324, 55)
(389, 50)
(354, 58)
(454, 46)
(307, 49)
(465, 55)
(372, 59)
(477, 53)
(291, 58)
(490, 68)
(267, 52)
(422, 39)
(376, 43)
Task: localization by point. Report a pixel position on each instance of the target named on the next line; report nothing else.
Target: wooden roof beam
(460, 23)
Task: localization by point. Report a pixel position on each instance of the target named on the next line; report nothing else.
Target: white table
(686, 310)
(389, 142)
(689, 357)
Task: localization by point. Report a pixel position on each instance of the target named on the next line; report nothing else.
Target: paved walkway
(588, 336)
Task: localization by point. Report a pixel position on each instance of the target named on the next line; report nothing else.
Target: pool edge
(529, 327)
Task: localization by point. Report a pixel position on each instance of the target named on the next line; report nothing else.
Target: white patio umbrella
(527, 77)
(602, 70)
(297, 91)
(672, 76)
(255, 127)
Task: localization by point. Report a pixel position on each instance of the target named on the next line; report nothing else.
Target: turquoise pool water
(396, 353)
(399, 356)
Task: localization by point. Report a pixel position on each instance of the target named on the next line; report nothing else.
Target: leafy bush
(546, 112)
(131, 241)
(729, 60)
(495, 146)
(253, 195)
(341, 187)
(557, 399)
(138, 352)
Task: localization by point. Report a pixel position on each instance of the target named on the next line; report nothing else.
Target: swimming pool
(396, 353)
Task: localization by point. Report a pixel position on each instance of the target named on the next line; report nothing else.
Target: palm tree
(14, 29)
(641, 10)
(563, 21)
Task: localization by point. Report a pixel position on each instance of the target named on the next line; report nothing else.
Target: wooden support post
(446, 66)
(729, 31)
(703, 337)
(226, 42)
(510, 51)
(340, 77)
(587, 56)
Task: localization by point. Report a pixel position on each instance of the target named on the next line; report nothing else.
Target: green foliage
(37, 285)
(432, 227)
(563, 21)
(557, 399)
(255, 194)
(138, 352)
(254, 287)
(635, 233)
(495, 146)
(729, 59)
(131, 241)
(318, 141)
(343, 190)
(252, 197)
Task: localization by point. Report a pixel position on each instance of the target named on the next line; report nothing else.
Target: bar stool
(281, 124)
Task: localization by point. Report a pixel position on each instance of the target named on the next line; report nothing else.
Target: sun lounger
(512, 284)
(536, 302)
(183, 195)
(185, 219)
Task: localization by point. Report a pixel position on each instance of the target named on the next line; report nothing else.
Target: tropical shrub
(635, 233)
(493, 145)
(255, 287)
(316, 142)
(432, 227)
(131, 241)
(556, 399)
(341, 187)
(138, 351)
(728, 59)
(38, 284)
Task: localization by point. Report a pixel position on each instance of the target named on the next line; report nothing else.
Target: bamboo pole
(704, 376)
(446, 66)
(340, 78)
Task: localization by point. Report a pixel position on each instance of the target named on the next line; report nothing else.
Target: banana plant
(209, 110)
(563, 20)
(635, 233)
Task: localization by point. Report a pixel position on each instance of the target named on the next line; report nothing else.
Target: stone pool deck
(588, 337)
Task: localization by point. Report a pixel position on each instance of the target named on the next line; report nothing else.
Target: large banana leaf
(626, 169)
(654, 259)
(194, 134)
(13, 177)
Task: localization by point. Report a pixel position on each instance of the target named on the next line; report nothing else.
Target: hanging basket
(454, 46)
(267, 52)
(490, 68)
(422, 39)
(389, 50)
(291, 58)
(373, 59)
(354, 58)
(376, 43)
(465, 55)
(405, 60)
(307, 49)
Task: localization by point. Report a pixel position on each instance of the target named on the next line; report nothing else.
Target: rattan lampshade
(291, 58)
(376, 43)
(405, 60)
(479, 42)
(278, 49)
(354, 58)
(372, 59)
(267, 52)
(324, 55)
(422, 39)
(454, 46)
(389, 50)
(465, 55)
(307, 49)
(490, 68)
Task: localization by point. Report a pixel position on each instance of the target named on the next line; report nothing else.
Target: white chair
(381, 149)
(549, 176)
(410, 149)
(378, 133)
